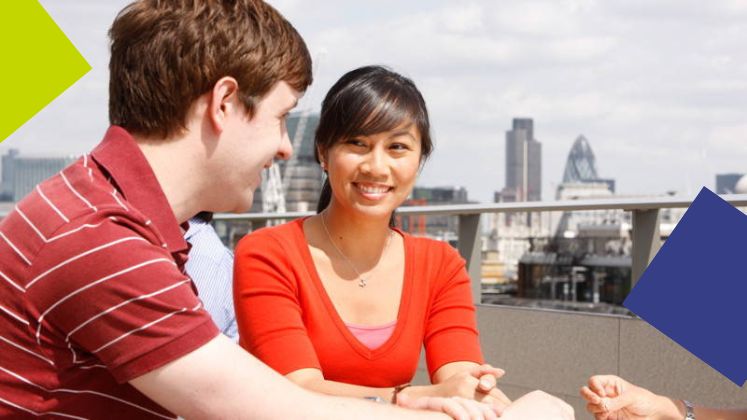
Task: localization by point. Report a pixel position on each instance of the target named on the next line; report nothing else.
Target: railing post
(470, 246)
(646, 241)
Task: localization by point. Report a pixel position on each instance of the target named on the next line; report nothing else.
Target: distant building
(6, 184)
(726, 183)
(588, 258)
(301, 176)
(523, 163)
(581, 166)
(21, 174)
(442, 227)
(581, 181)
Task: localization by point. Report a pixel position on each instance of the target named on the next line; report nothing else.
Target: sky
(658, 87)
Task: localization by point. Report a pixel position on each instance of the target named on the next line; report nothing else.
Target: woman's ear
(322, 156)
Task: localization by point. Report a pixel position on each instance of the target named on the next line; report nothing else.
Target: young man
(97, 318)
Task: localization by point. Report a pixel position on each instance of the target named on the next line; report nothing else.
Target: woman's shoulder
(429, 247)
(273, 237)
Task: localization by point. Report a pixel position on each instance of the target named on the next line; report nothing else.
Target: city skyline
(656, 87)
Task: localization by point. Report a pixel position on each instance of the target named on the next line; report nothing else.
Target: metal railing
(645, 223)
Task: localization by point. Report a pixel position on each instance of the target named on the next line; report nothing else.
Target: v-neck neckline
(404, 300)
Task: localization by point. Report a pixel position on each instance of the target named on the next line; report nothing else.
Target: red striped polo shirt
(92, 290)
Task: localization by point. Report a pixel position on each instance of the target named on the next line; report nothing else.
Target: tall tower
(523, 163)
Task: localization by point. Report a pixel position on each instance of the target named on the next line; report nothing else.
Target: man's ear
(224, 100)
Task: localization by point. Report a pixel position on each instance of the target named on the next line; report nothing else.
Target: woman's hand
(477, 383)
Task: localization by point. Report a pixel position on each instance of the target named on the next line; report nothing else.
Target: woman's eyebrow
(402, 133)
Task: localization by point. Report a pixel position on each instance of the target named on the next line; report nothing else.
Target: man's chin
(243, 206)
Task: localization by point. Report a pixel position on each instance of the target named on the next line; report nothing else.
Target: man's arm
(220, 380)
(610, 395)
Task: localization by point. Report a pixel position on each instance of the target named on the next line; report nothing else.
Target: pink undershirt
(372, 336)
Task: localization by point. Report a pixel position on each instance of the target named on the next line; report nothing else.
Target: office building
(523, 163)
(21, 174)
(301, 177)
(441, 227)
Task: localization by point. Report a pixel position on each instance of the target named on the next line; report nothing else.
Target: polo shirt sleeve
(268, 309)
(112, 291)
(451, 326)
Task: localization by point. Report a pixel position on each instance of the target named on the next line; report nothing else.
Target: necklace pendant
(361, 282)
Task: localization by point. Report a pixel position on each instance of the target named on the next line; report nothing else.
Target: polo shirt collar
(121, 157)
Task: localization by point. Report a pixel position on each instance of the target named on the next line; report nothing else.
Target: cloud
(657, 87)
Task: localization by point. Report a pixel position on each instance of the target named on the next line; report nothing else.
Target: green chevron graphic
(38, 62)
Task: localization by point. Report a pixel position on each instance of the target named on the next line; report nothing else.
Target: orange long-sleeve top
(288, 321)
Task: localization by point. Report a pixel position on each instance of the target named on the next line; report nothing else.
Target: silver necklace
(362, 281)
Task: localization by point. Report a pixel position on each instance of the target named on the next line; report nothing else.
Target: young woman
(342, 302)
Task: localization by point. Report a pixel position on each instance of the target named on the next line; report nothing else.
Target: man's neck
(178, 172)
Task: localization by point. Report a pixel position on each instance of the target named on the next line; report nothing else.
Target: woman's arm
(458, 386)
(463, 380)
(451, 337)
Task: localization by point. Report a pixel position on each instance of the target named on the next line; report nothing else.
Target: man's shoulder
(70, 212)
(77, 194)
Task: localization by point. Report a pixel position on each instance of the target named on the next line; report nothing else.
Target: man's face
(249, 145)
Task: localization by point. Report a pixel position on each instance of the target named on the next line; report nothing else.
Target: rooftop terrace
(557, 351)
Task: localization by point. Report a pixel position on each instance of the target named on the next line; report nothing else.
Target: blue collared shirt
(210, 265)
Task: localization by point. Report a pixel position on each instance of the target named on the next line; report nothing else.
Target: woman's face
(374, 175)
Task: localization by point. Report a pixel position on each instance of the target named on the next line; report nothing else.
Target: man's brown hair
(167, 53)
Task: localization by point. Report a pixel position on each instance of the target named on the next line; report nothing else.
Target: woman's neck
(360, 238)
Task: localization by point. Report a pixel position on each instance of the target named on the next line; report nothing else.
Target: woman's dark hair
(367, 101)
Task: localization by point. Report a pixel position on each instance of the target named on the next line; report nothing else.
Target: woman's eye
(398, 146)
(355, 142)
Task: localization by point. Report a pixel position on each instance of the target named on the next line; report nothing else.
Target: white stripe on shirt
(89, 285)
(134, 330)
(56, 210)
(12, 283)
(20, 347)
(18, 251)
(77, 194)
(83, 254)
(16, 316)
(115, 307)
